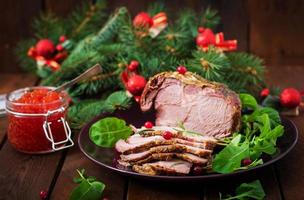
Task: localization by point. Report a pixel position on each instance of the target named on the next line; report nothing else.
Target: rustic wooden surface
(24, 176)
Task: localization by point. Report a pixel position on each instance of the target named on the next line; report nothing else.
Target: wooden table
(24, 176)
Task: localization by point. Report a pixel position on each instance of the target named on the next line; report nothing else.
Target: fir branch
(212, 64)
(25, 62)
(210, 18)
(156, 8)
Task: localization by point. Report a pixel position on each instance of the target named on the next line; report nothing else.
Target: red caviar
(26, 113)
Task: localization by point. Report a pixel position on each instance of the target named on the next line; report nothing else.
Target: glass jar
(38, 126)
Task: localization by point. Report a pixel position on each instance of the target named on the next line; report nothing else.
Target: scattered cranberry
(133, 65)
(167, 135)
(246, 162)
(265, 92)
(59, 47)
(200, 29)
(197, 170)
(148, 124)
(43, 194)
(181, 69)
(62, 38)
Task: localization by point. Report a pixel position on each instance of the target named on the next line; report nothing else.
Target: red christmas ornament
(45, 48)
(290, 98)
(143, 20)
(205, 38)
(136, 84)
(200, 29)
(60, 56)
(62, 38)
(265, 92)
(181, 69)
(59, 47)
(133, 65)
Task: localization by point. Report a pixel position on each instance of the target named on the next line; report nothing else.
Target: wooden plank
(146, 190)
(276, 31)
(10, 82)
(62, 8)
(290, 169)
(115, 184)
(16, 17)
(266, 176)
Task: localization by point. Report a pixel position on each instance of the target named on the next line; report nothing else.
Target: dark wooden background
(272, 29)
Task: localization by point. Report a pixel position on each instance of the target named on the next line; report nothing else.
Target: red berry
(290, 98)
(148, 124)
(62, 38)
(59, 47)
(181, 69)
(246, 162)
(197, 170)
(133, 65)
(45, 48)
(143, 20)
(265, 92)
(167, 135)
(136, 84)
(43, 194)
(200, 29)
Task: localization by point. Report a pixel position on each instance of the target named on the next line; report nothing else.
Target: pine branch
(24, 61)
(210, 18)
(210, 65)
(156, 7)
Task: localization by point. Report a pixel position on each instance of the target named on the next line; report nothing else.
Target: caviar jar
(36, 120)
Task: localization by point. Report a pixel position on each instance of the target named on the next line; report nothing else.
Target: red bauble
(133, 65)
(290, 98)
(143, 20)
(265, 92)
(200, 29)
(45, 48)
(59, 47)
(181, 69)
(136, 84)
(205, 38)
(62, 38)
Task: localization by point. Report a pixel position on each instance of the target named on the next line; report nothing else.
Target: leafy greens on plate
(258, 134)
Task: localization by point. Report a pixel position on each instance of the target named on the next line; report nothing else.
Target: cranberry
(265, 92)
(43, 194)
(200, 29)
(197, 170)
(133, 65)
(148, 124)
(246, 162)
(167, 135)
(62, 38)
(59, 47)
(182, 69)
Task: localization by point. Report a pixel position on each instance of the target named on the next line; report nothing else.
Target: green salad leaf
(258, 135)
(252, 190)
(248, 101)
(107, 131)
(88, 188)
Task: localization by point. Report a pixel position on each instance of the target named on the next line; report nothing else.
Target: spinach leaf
(107, 131)
(248, 101)
(272, 114)
(252, 190)
(230, 158)
(88, 188)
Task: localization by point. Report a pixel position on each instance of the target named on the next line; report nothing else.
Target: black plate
(104, 156)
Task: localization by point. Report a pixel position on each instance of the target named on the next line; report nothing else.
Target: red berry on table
(200, 29)
(59, 47)
(136, 84)
(43, 194)
(197, 170)
(246, 162)
(142, 20)
(167, 135)
(148, 124)
(62, 38)
(45, 48)
(290, 98)
(265, 92)
(181, 69)
(133, 65)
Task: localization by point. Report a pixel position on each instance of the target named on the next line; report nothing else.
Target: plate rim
(182, 178)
